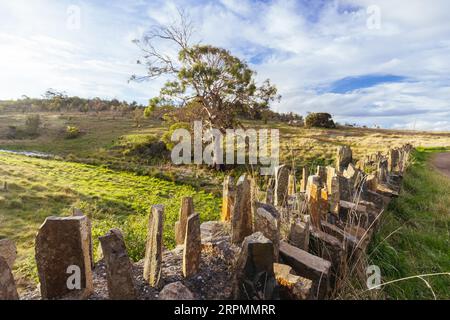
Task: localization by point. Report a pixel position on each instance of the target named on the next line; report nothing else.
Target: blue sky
(373, 62)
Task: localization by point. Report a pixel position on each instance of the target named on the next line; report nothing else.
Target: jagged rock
(267, 222)
(281, 185)
(8, 290)
(304, 181)
(153, 251)
(119, 270)
(393, 159)
(241, 220)
(315, 200)
(292, 185)
(292, 287)
(8, 251)
(192, 246)
(78, 213)
(63, 258)
(334, 195)
(308, 266)
(175, 291)
(254, 276)
(228, 198)
(299, 234)
(322, 173)
(344, 157)
(186, 209)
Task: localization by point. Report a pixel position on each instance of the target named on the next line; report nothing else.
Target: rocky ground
(213, 282)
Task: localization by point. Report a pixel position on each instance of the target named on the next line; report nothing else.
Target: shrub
(32, 124)
(166, 138)
(319, 120)
(72, 132)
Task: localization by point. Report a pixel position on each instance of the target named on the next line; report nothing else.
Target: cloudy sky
(373, 62)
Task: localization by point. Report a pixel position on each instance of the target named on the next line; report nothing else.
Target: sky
(370, 62)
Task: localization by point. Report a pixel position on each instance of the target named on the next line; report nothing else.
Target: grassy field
(414, 238)
(39, 188)
(94, 173)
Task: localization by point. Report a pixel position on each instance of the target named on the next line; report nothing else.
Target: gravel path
(441, 162)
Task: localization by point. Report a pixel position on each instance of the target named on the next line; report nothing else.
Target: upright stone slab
(371, 183)
(153, 251)
(304, 181)
(119, 270)
(186, 209)
(254, 277)
(63, 257)
(292, 185)
(322, 173)
(78, 213)
(334, 195)
(267, 222)
(345, 191)
(299, 234)
(281, 185)
(8, 251)
(241, 220)
(192, 246)
(393, 159)
(314, 195)
(344, 158)
(227, 198)
(8, 290)
(382, 170)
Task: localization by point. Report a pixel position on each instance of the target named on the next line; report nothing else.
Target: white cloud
(302, 48)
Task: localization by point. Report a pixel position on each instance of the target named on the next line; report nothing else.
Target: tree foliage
(206, 82)
(319, 120)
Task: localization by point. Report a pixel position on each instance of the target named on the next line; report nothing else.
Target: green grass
(414, 238)
(40, 188)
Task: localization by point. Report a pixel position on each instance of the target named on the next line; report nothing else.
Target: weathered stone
(344, 158)
(78, 213)
(393, 158)
(153, 250)
(292, 185)
(334, 195)
(254, 276)
(8, 251)
(119, 270)
(8, 290)
(281, 185)
(176, 291)
(227, 198)
(352, 213)
(192, 246)
(214, 232)
(304, 181)
(63, 256)
(329, 248)
(371, 182)
(241, 220)
(299, 234)
(351, 173)
(322, 173)
(267, 222)
(345, 190)
(382, 170)
(308, 266)
(315, 200)
(186, 209)
(292, 287)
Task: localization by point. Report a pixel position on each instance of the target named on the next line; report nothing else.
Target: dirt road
(441, 162)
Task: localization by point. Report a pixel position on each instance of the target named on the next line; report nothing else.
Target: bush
(146, 146)
(72, 132)
(319, 120)
(166, 138)
(32, 124)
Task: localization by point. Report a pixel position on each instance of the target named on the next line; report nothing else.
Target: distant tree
(319, 120)
(209, 78)
(137, 117)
